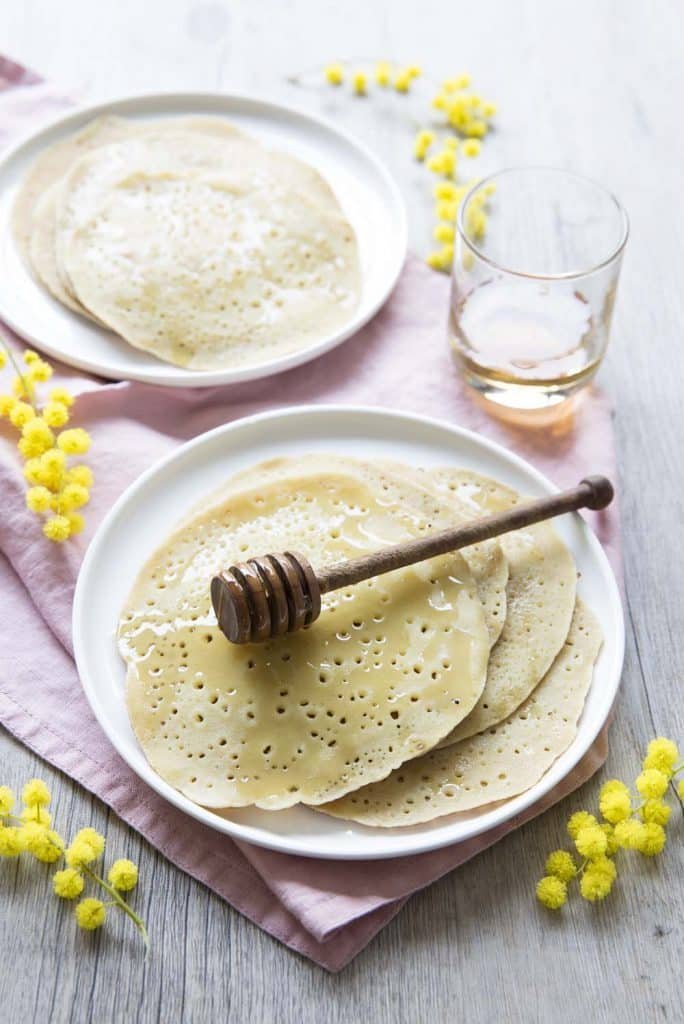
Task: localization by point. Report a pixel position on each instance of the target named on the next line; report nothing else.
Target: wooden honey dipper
(271, 595)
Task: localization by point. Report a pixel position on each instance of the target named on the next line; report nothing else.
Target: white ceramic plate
(151, 507)
(368, 195)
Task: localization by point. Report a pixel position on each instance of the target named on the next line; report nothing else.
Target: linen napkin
(326, 910)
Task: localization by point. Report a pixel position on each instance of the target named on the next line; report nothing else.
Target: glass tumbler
(537, 256)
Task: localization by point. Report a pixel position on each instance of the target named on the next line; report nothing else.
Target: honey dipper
(270, 595)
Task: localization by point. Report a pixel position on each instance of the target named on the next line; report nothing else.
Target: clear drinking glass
(537, 257)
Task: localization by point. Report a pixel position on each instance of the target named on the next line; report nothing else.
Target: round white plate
(152, 506)
(368, 195)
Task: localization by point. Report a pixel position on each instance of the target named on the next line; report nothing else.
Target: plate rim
(417, 842)
(222, 378)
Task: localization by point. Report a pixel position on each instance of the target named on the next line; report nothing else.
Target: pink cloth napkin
(326, 910)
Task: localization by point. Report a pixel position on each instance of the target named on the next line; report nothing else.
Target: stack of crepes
(189, 239)
(434, 689)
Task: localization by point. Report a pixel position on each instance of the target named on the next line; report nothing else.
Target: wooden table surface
(592, 86)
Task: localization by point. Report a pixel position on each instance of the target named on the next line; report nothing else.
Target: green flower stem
(20, 823)
(119, 901)
(17, 369)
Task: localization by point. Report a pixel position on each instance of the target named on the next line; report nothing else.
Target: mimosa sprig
(30, 833)
(56, 489)
(459, 121)
(631, 821)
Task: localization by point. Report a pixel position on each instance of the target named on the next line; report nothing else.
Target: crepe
(387, 670)
(41, 253)
(529, 631)
(540, 598)
(254, 262)
(398, 483)
(34, 210)
(56, 160)
(203, 267)
(496, 765)
(52, 164)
